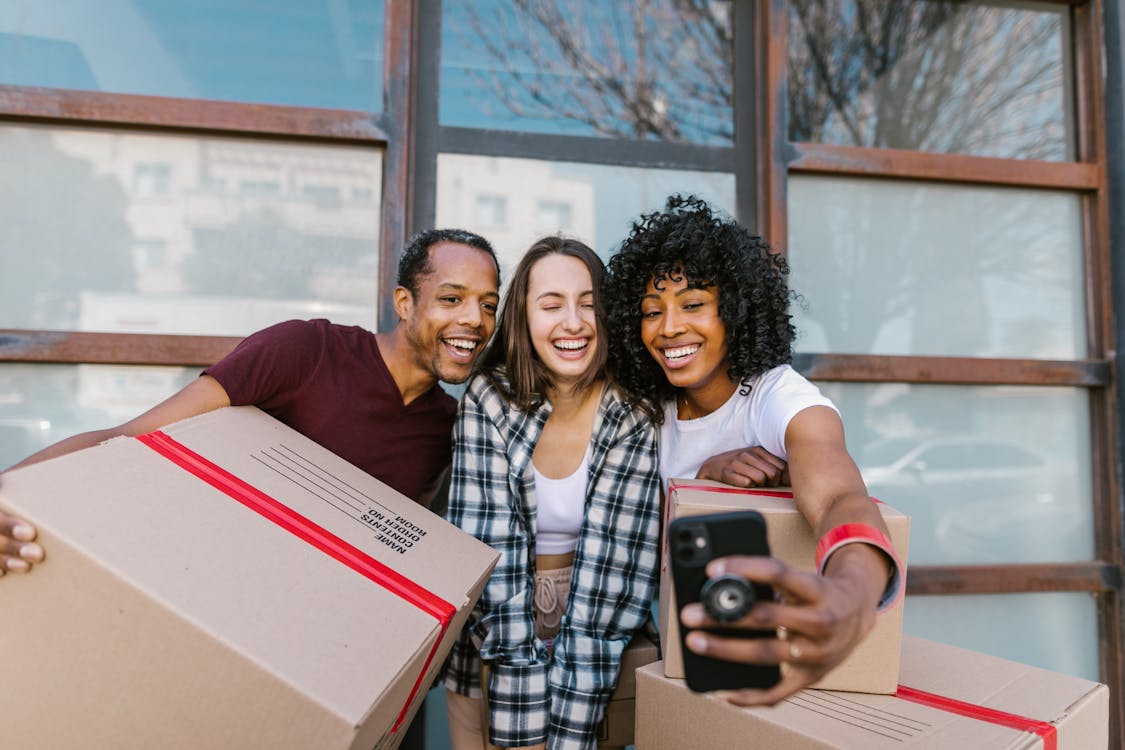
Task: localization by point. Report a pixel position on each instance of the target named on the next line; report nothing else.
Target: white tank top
(561, 509)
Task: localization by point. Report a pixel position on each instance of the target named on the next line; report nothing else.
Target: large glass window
(142, 233)
(513, 202)
(1056, 631)
(987, 474)
(42, 404)
(901, 268)
(308, 54)
(986, 79)
(653, 70)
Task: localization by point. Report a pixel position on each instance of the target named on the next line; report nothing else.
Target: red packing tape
(730, 490)
(1044, 729)
(316, 535)
(740, 490)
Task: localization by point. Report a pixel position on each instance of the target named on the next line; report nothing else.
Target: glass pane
(982, 79)
(905, 268)
(1056, 631)
(655, 70)
(302, 54)
(139, 233)
(989, 474)
(42, 404)
(514, 202)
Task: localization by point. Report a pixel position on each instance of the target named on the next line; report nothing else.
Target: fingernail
(17, 565)
(690, 618)
(697, 642)
(32, 552)
(717, 568)
(23, 532)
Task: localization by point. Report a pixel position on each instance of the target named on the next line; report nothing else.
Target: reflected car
(979, 499)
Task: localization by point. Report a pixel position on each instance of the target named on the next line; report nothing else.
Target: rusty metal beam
(85, 108)
(70, 347)
(864, 368)
(1094, 577)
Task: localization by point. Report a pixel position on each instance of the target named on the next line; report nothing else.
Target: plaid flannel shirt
(536, 697)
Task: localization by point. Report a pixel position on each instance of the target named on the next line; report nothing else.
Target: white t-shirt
(560, 508)
(758, 417)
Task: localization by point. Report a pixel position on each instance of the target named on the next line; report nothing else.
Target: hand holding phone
(692, 543)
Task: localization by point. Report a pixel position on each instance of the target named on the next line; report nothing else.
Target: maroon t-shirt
(329, 382)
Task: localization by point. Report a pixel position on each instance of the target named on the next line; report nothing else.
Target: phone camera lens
(727, 598)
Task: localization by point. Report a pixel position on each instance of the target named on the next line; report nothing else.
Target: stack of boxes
(325, 602)
(891, 692)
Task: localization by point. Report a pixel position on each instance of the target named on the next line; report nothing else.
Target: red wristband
(851, 533)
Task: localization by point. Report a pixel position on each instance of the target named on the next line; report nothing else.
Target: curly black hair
(711, 250)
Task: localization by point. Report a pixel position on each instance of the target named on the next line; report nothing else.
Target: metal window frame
(1087, 177)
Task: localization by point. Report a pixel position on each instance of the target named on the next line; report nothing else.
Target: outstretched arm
(18, 550)
(824, 616)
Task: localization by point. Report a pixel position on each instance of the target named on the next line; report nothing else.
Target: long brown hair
(511, 355)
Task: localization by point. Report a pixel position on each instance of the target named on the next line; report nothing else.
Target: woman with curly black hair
(698, 312)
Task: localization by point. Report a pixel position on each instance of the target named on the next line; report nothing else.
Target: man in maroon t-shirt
(372, 398)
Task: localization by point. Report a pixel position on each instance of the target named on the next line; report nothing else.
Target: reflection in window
(658, 70)
(151, 180)
(899, 268)
(150, 255)
(591, 202)
(1041, 629)
(260, 187)
(492, 210)
(554, 213)
(996, 474)
(42, 404)
(306, 54)
(944, 77)
(200, 261)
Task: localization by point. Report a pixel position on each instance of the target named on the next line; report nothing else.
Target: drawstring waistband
(552, 590)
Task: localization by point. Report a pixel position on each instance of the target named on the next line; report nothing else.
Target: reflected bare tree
(67, 233)
(941, 76)
(648, 69)
(938, 76)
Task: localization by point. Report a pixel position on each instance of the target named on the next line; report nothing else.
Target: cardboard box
(951, 698)
(873, 666)
(288, 600)
(616, 727)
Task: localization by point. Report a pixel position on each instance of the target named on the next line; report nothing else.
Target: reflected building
(513, 202)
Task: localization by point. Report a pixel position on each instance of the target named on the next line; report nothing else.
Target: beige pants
(467, 716)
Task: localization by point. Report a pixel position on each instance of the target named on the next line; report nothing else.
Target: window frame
(1087, 176)
(387, 131)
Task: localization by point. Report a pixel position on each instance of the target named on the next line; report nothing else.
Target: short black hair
(711, 250)
(415, 260)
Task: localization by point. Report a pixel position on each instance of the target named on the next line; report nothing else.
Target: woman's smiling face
(560, 316)
(682, 330)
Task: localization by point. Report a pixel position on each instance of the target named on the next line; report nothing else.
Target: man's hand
(753, 466)
(18, 550)
(819, 620)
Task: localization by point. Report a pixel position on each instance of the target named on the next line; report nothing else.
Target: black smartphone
(692, 543)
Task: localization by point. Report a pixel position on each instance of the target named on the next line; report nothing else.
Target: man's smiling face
(453, 313)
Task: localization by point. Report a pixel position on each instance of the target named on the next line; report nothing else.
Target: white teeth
(681, 351)
(570, 344)
(462, 343)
